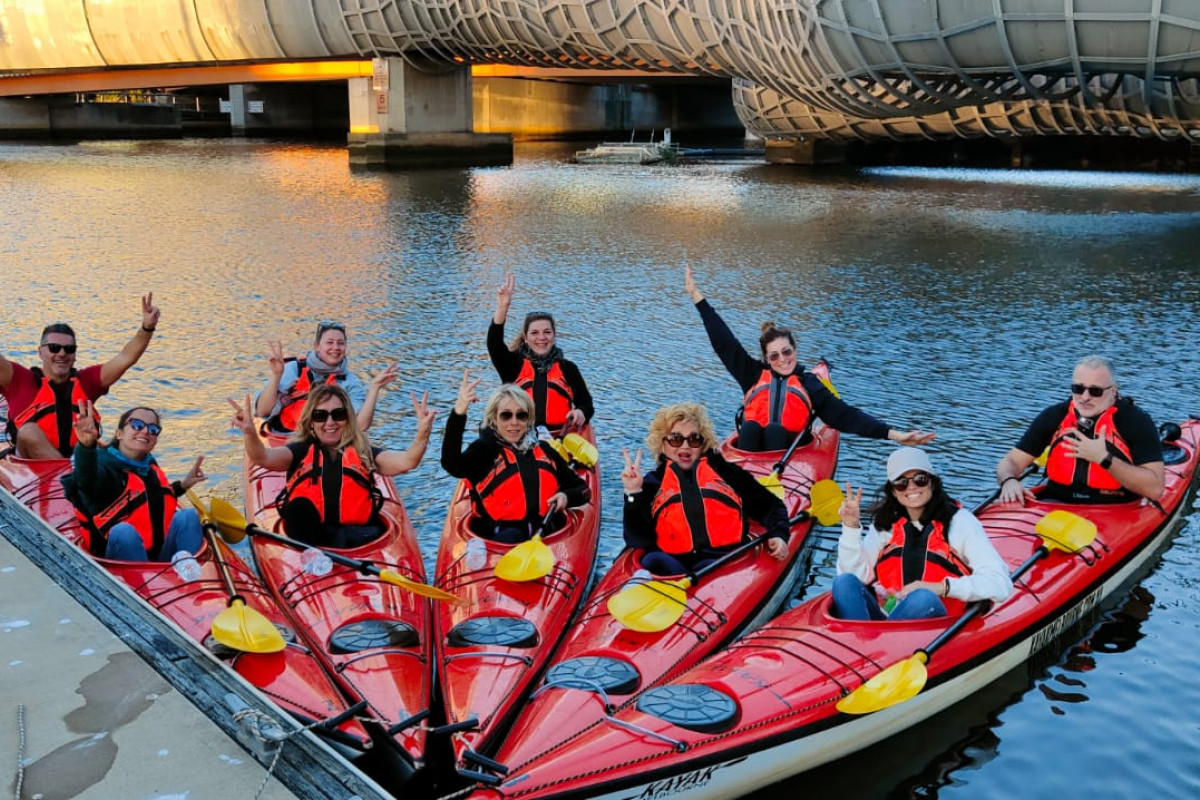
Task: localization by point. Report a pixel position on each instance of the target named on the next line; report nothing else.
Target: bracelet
(1010, 478)
(148, 330)
(945, 587)
(1107, 462)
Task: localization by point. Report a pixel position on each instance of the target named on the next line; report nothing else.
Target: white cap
(906, 459)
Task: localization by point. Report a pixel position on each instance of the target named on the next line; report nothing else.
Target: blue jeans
(125, 543)
(853, 600)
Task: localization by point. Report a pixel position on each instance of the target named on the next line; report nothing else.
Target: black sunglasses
(1094, 391)
(920, 480)
(55, 348)
(522, 416)
(141, 424)
(329, 326)
(677, 440)
(319, 415)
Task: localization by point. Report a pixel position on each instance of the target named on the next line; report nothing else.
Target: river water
(952, 300)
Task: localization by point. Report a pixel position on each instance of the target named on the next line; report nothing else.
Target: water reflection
(956, 301)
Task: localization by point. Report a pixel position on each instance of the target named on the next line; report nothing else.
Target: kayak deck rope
(20, 750)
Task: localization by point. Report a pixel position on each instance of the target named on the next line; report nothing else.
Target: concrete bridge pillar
(409, 118)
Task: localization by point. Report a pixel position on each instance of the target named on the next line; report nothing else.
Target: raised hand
(389, 374)
(504, 297)
(275, 360)
(195, 474)
(849, 511)
(466, 392)
(86, 431)
(689, 283)
(911, 438)
(631, 476)
(425, 414)
(150, 312)
(243, 416)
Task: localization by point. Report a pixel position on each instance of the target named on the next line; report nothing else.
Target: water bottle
(890, 604)
(316, 562)
(476, 555)
(186, 566)
(638, 577)
(543, 433)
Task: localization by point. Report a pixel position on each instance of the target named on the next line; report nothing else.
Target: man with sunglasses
(43, 401)
(1101, 448)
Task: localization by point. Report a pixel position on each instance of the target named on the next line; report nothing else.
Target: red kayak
(293, 678)
(767, 707)
(369, 634)
(603, 665)
(489, 652)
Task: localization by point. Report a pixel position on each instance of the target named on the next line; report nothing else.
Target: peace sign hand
(466, 392)
(275, 360)
(631, 476)
(243, 418)
(86, 432)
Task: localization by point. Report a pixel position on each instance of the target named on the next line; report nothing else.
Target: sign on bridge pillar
(408, 116)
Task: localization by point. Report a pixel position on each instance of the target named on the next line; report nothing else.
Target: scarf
(544, 362)
(320, 368)
(140, 465)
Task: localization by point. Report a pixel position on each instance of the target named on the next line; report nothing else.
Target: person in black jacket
(781, 397)
(515, 478)
(694, 505)
(536, 364)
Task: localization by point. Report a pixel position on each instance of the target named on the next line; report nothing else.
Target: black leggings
(302, 522)
(756, 438)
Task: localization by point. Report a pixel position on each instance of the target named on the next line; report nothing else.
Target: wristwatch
(1107, 462)
(630, 498)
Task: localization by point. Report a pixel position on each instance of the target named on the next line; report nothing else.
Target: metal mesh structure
(831, 66)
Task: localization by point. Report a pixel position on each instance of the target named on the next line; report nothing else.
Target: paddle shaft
(977, 608)
(210, 530)
(737, 551)
(358, 563)
(775, 470)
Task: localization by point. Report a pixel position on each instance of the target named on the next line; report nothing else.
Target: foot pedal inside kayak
(372, 633)
(495, 631)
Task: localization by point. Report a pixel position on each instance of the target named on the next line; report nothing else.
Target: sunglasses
(920, 480)
(330, 326)
(786, 352)
(1094, 391)
(505, 416)
(677, 440)
(142, 425)
(319, 415)
(55, 348)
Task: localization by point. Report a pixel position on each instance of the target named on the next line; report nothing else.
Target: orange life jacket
(132, 505)
(1078, 472)
(509, 493)
(550, 392)
(695, 509)
(779, 400)
(359, 500)
(293, 402)
(941, 561)
(53, 411)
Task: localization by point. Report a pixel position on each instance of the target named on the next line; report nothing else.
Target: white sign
(254, 106)
(226, 107)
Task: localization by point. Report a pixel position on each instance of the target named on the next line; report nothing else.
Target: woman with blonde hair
(515, 479)
(694, 505)
(331, 499)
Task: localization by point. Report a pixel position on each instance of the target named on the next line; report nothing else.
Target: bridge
(835, 70)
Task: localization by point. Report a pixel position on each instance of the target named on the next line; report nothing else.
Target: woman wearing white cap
(923, 556)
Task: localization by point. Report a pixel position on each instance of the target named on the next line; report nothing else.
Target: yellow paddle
(231, 523)
(1060, 530)
(825, 501)
(529, 560)
(655, 605)
(237, 627)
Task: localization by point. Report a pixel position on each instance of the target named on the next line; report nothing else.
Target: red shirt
(23, 388)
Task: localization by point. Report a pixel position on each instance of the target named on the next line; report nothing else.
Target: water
(952, 300)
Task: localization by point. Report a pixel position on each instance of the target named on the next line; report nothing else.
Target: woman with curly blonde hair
(694, 505)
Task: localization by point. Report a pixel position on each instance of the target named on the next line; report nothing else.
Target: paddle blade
(526, 561)
(650, 606)
(826, 498)
(829, 385)
(901, 681)
(772, 483)
(583, 451)
(423, 589)
(1064, 530)
(230, 521)
(244, 629)
(557, 446)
